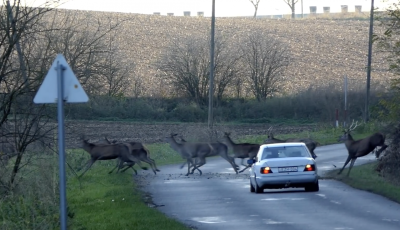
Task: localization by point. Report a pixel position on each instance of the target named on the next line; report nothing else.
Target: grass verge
(100, 201)
(365, 177)
(112, 201)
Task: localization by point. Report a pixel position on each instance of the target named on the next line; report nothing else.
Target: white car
(283, 165)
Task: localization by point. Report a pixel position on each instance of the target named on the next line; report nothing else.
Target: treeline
(313, 105)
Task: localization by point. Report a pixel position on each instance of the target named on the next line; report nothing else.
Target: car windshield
(284, 152)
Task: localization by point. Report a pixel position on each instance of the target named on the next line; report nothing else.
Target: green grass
(323, 135)
(101, 201)
(365, 177)
(112, 201)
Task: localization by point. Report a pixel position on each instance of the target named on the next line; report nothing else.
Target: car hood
(282, 162)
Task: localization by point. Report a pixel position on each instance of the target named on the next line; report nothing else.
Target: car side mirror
(251, 161)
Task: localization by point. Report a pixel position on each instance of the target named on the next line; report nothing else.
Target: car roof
(283, 144)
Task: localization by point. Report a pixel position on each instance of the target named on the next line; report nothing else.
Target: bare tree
(292, 5)
(186, 65)
(41, 33)
(265, 59)
(21, 123)
(255, 4)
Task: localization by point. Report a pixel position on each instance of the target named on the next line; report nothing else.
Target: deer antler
(353, 126)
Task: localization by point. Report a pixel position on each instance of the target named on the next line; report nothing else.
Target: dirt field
(153, 133)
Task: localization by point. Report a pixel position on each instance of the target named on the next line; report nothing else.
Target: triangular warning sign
(48, 91)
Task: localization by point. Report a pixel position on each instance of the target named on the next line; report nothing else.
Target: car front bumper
(286, 181)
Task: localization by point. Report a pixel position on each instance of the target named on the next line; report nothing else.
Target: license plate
(287, 169)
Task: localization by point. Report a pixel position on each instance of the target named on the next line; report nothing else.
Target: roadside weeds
(365, 177)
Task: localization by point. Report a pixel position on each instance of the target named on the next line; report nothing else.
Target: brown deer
(190, 151)
(242, 150)
(362, 147)
(108, 152)
(311, 144)
(139, 151)
(217, 149)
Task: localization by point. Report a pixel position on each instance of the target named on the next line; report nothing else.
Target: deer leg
(201, 163)
(150, 163)
(154, 163)
(190, 162)
(231, 161)
(130, 165)
(351, 165)
(120, 164)
(313, 154)
(247, 166)
(241, 162)
(137, 161)
(183, 165)
(345, 163)
(196, 162)
(114, 167)
(378, 152)
(89, 165)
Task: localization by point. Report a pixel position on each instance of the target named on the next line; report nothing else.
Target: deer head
(170, 137)
(346, 132)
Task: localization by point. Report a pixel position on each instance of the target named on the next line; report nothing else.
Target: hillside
(323, 50)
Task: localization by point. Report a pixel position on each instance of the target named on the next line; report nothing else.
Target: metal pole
(371, 28)
(61, 147)
(302, 15)
(345, 101)
(212, 46)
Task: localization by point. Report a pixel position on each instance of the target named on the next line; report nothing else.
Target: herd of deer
(195, 153)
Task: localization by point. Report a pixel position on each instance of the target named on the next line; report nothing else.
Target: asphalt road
(220, 199)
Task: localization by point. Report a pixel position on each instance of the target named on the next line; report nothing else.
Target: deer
(311, 144)
(108, 152)
(362, 147)
(242, 150)
(189, 151)
(218, 148)
(139, 151)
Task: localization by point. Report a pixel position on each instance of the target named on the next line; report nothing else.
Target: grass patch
(365, 177)
(101, 201)
(323, 135)
(112, 201)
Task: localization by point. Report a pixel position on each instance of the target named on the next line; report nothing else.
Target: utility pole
(212, 46)
(302, 15)
(371, 27)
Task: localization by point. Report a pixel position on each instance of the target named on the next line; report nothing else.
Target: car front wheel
(313, 187)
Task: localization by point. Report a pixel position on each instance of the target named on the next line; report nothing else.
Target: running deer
(242, 150)
(139, 151)
(190, 151)
(217, 149)
(108, 152)
(311, 144)
(362, 147)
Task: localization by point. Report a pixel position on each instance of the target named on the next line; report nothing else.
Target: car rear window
(284, 152)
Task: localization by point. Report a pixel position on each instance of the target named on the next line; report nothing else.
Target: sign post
(61, 85)
(61, 147)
